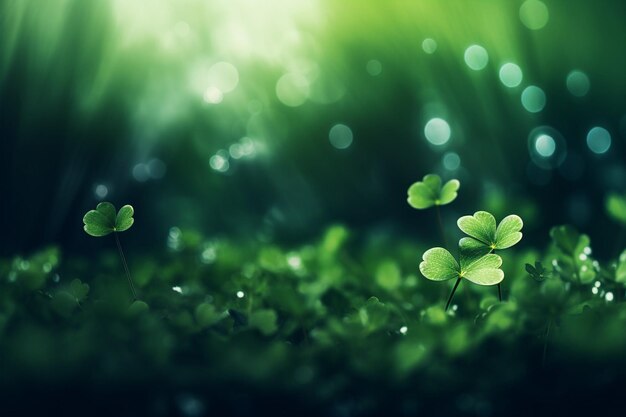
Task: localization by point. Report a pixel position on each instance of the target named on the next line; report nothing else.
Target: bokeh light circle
(429, 45)
(223, 76)
(476, 57)
(374, 67)
(340, 136)
(437, 131)
(598, 140)
(511, 75)
(547, 147)
(292, 89)
(451, 161)
(577, 83)
(534, 14)
(533, 99)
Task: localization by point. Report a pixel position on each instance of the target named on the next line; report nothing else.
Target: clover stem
(130, 280)
(545, 344)
(456, 284)
(441, 230)
(499, 286)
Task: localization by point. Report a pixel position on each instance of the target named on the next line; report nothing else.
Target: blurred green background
(272, 119)
(267, 148)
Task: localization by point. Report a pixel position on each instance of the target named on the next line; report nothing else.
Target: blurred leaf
(264, 321)
(616, 207)
(79, 290)
(138, 307)
(64, 303)
(388, 275)
(206, 315)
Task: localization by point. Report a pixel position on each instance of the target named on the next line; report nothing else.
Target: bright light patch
(240, 294)
(213, 95)
(451, 161)
(476, 57)
(340, 136)
(545, 145)
(577, 83)
(533, 99)
(374, 67)
(609, 296)
(292, 89)
(437, 131)
(534, 14)
(429, 45)
(177, 289)
(511, 75)
(404, 329)
(223, 76)
(599, 140)
(219, 162)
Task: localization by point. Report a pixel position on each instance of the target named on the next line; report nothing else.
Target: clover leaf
(103, 220)
(439, 265)
(481, 227)
(429, 192)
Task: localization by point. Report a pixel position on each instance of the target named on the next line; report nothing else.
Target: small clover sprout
(429, 192)
(103, 221)
(573, 254)
(485, 237)
(439, 265)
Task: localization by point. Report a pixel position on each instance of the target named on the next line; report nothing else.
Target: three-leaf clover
(485, 236)
(104, 220)
(439, 265)
(429, 192)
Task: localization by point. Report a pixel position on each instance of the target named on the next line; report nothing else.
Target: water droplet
(404, 329)
(240, 294)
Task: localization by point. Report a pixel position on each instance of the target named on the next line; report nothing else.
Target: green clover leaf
(103, 220)
(485, 236)
(439, 265)
(429, 192)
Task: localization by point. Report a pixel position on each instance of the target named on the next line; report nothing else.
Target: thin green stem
(441, 229)
(456, 284)
(130, 280)
(499, 284)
